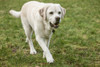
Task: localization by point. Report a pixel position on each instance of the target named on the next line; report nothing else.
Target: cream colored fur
(35, 16)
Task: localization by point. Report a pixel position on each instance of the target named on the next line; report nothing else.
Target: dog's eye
(51, 12)
(59, 12)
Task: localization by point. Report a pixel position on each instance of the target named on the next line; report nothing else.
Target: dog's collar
(53, 31)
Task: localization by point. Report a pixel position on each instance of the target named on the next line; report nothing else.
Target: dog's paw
(33, 52)
(50, 60)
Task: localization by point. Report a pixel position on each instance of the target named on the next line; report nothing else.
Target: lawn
(76, 43)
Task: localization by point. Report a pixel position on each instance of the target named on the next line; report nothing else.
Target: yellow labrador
(41, 18)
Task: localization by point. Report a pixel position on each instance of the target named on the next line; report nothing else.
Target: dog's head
(52, 14)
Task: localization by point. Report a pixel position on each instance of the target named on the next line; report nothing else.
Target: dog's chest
(46, 33)
(43, 30)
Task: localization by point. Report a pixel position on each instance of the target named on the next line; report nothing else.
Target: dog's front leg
(42, 43)
(47, 42)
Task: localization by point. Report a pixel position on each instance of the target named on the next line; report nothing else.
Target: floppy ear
(43, 13)
(63, 12)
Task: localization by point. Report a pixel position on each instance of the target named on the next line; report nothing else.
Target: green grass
(76, 43)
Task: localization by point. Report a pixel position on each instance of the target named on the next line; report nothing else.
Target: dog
(42, 19)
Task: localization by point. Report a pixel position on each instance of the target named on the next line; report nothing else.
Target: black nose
(57, 19)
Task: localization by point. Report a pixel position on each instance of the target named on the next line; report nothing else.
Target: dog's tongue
(55, 26)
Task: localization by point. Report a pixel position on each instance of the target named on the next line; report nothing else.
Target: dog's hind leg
(28, 38)
(28, 31)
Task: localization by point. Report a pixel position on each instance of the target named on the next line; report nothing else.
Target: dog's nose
(57, 19)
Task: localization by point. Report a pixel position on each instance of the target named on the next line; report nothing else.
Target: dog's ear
(63, 12)
(43, 13)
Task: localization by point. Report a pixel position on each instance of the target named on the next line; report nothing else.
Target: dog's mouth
(56, 25)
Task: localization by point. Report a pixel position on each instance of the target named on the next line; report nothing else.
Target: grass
(76, 43)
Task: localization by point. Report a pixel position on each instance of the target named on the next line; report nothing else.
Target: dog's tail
(15, 13)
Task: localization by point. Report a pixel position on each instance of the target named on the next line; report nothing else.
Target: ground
(76, 43)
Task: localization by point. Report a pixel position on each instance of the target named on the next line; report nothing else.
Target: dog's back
(26, 8)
